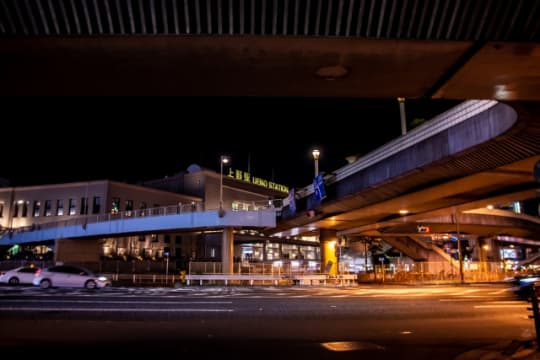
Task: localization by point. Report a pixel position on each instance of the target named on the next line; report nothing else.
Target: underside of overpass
(322, 48)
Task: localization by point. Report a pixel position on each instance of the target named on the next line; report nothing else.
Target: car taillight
(38, 271)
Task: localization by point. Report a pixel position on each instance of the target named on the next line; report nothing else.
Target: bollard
(183, 277)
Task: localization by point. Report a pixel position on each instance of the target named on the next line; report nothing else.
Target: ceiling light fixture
(332, 72)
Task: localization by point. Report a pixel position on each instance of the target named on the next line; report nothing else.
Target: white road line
(123, 302)
(503, 291)
(12, 308)
(468, 299)
(508, 302)
(499, 306)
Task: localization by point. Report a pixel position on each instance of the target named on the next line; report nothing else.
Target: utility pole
(460, 255)
(365, 254)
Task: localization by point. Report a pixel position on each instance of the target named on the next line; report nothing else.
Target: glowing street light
(223, 160)
(402, 115)
(316, 155)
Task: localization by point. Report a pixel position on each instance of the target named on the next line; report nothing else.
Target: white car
(20, 275)
(69, 276)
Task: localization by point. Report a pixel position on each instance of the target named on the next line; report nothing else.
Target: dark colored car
(523, 285)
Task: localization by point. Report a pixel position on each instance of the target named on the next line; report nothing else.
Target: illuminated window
(47, 211)
(37, 208)
(142, 207)
(129, 207)
(84, 205)
(96, 205)
(59, 207)
(72, 207)
(242, 206)
(115, 205)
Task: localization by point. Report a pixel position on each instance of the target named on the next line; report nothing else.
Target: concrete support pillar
(172, 246)
(327, 240)
(76, 250)
(227, 251)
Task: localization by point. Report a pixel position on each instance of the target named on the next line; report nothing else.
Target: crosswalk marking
(443, 293)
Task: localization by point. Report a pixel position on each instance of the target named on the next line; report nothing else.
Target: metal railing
(121, 215)
(444, 121)
(160, 272)
(84, 220)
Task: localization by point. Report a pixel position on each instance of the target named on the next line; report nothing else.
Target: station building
(197, 189)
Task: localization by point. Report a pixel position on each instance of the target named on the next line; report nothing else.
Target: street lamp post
(223, 160)
(316, 155)
(402, 115)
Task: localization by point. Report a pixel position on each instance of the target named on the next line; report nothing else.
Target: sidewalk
(512, 349)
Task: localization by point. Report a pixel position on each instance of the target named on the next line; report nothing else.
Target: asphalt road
(388, 322)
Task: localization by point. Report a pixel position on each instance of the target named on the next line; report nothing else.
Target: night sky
(133, 139)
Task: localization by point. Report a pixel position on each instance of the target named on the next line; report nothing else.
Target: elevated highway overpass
(445, 181)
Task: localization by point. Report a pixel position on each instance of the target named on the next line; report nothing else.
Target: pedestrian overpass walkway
(143, 221)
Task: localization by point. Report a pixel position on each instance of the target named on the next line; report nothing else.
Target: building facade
(34, 207)
(197, 189)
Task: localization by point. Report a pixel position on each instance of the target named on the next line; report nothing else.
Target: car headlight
(529, 280)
